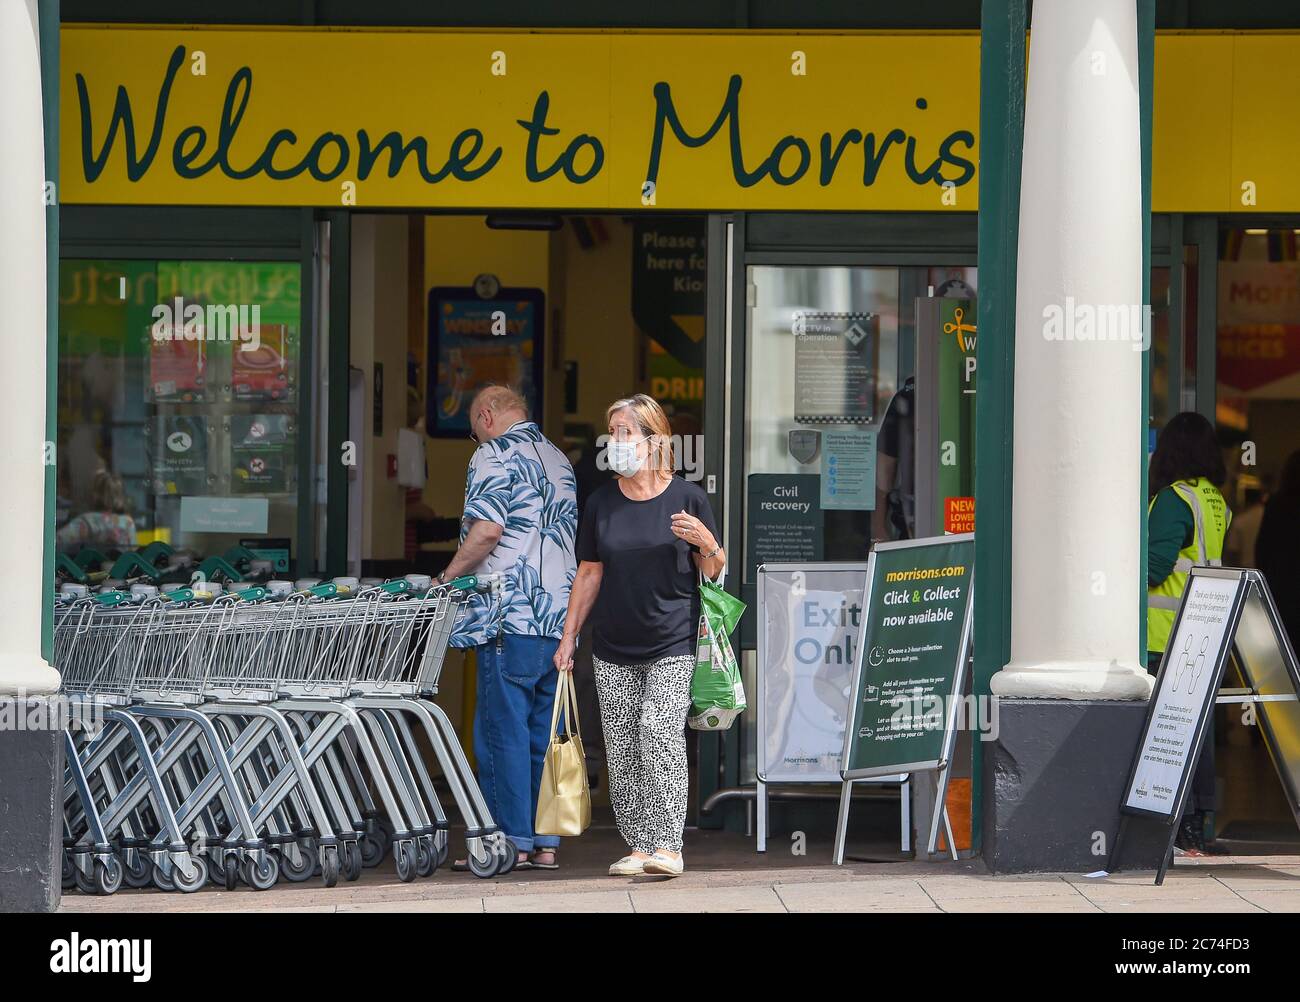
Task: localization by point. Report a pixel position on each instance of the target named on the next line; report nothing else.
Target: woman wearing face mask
(644, 539)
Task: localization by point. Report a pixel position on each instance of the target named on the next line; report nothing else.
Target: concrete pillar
(31, 753)
(1076, 533)
(23, 670)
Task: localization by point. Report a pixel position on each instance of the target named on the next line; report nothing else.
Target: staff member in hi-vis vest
(1187, 520)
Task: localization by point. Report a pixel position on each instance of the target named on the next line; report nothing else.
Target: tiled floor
(724, 874)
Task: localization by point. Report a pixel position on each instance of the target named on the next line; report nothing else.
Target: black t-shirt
(649, 606)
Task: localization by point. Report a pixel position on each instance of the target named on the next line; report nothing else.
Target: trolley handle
(109, 599)
(327, 590)
(400, 586)
(476, 582)
(187, 595)
(254, 594)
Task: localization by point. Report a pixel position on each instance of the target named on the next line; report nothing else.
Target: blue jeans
(512, 722)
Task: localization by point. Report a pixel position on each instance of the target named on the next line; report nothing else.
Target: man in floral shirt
(521, 517)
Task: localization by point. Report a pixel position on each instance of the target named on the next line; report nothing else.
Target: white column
(22, 353)
(1075, 548)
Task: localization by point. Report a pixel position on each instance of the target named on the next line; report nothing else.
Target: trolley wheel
(405, 857)
(86, 885)
(189, 885)
(108, 875)
(262, 874)
(298, 862)
(230, 872)
(444, 847)
(352, 861)
(508, 853)
(329, 865)
(426, 859)
(488, 867)
(140, 872)
(373, 849)
(69, 873)
(161, 880)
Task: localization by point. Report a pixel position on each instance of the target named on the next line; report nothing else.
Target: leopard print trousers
(643, 714)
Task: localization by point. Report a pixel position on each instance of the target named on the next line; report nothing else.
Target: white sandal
(664, 865)
(628, 866)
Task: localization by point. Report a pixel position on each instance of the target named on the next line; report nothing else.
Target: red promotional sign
(1259, 323)
(958, 514)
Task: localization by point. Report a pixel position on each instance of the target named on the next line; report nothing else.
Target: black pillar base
(31, 804)
(1053, 780)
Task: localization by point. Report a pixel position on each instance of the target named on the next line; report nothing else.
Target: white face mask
(623, 457)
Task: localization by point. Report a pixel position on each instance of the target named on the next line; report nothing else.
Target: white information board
(1225, 612)
(1185, 689)
(809, 615)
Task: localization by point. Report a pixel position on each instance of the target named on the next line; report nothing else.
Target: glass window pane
(831, 383)
(178, 405)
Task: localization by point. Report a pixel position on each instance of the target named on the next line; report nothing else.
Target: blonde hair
(653, 422)
(106, 493)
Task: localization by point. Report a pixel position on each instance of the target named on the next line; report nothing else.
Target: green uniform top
(1186, 525)
(1169, 529)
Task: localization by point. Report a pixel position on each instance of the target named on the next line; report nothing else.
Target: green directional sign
(911, 658)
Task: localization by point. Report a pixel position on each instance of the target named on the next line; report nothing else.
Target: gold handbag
(564, 800)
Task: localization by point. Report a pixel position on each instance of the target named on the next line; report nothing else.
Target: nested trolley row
(260, 733)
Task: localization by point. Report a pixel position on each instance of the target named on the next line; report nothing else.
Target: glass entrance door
(830, 416)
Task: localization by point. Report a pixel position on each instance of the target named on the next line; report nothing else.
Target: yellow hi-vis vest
(1210, 520)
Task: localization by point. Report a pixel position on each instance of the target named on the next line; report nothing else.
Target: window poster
(848, 479)
(266, 371)
(178, 445)
(475, 340)
(835, 367)
(177, 368)
(784, 519)
(261, 451)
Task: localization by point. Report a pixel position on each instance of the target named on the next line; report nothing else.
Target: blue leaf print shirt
(523, 483)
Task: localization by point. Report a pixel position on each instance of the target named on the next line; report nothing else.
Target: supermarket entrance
(573, 311)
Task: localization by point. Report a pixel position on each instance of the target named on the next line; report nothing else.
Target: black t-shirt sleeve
(586, 548)
(696, 503)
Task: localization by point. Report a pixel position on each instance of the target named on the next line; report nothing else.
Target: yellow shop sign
(615, 120)
(583, 121)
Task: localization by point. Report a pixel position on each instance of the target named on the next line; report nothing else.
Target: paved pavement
(761, 884)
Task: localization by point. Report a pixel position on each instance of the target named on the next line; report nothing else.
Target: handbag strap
(560, 688)
(566, 696)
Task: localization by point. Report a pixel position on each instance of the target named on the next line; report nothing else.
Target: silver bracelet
(708, 556)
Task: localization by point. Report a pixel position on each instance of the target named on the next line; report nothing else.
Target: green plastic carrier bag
(717, 693)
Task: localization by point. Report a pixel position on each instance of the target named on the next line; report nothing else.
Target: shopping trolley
(99, 641)
(351, 685)
(401, 652)
(261, 733)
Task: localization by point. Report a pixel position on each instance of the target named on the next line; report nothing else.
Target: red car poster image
(267, 371)
(177, 369)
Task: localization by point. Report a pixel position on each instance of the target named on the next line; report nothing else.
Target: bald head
(494, 410)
